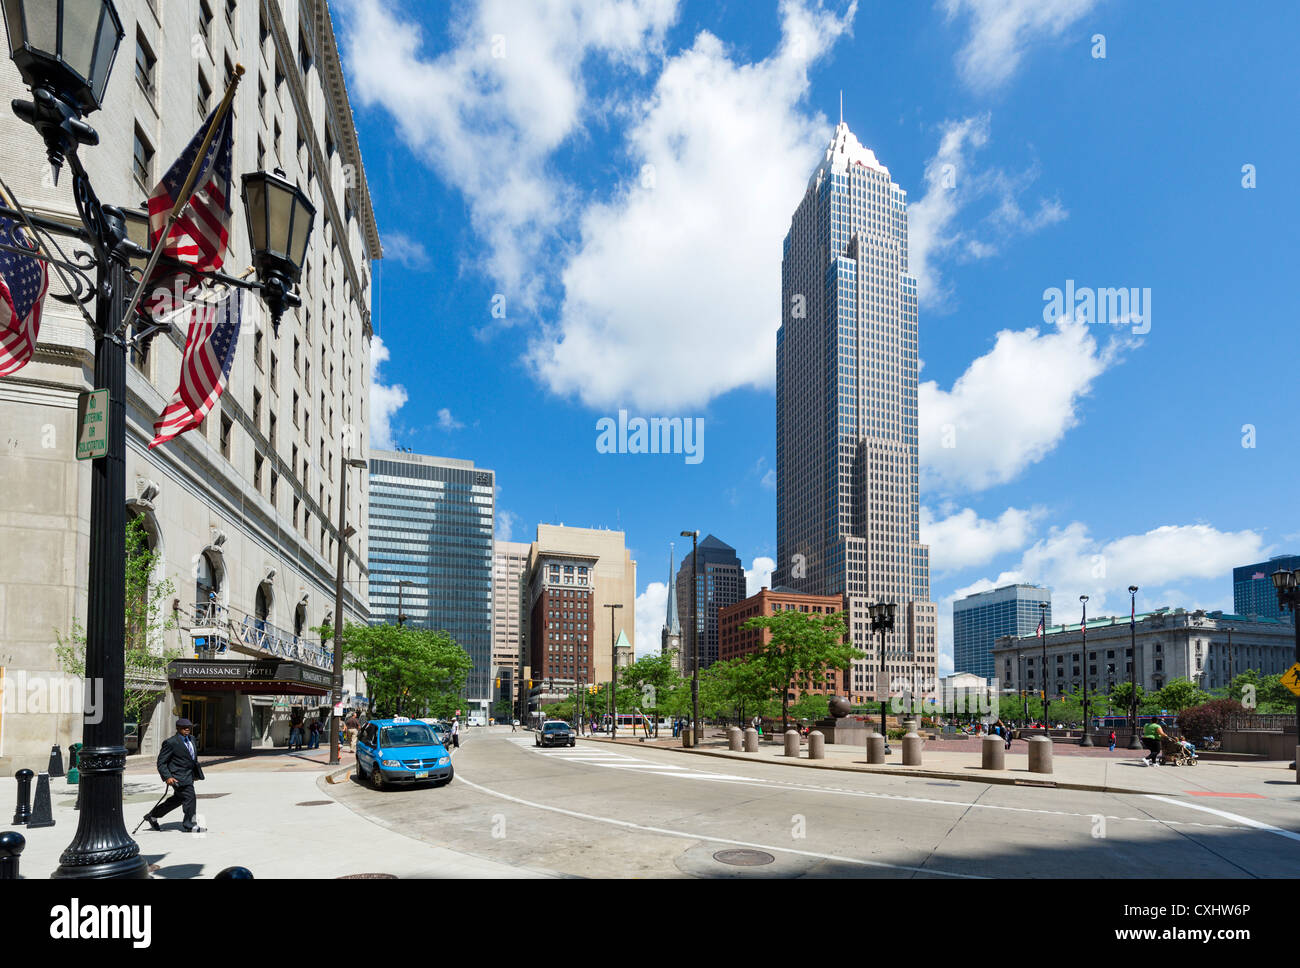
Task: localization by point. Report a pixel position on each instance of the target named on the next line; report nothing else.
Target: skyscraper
(431, 545)
(509, 570)
(848, 486)
(1252, 587)
(979, 620)
(720, 581)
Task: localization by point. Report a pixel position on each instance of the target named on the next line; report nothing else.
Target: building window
(257, 349)
(257, 472)
(304, 54)
(145, 64)
(205, 23)
(143, 158)
(226, 425)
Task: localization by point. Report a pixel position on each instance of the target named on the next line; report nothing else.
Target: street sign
(1291, 678)
(92, 424)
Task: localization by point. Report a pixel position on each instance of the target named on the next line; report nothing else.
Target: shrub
(1208, 719)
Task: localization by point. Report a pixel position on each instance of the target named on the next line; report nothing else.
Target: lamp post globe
(64, 50)
(280, 217)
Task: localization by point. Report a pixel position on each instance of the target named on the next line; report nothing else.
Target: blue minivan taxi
(401, 750)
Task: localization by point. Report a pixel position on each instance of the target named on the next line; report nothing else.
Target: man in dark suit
(178, 765)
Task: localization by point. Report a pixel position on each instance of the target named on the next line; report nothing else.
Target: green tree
(803, 647)
(740, 686)
(409, 671)
(649, 680)
(145, 654)
(811, 705)
(1180, 694)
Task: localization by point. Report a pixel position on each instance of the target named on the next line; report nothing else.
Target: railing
(1271, 722)
(260, 635)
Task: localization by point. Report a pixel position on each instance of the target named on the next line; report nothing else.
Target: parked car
(401, 750)
(555, 732)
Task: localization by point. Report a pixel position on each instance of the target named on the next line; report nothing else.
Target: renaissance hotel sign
(272, 675)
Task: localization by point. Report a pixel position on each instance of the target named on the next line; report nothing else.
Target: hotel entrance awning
(257, 677)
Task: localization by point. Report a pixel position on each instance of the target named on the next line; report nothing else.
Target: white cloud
(1002, 30)
(447, 422)
(506, 521)
(759, 574)
(385, 401)
(952, 182)
(1011, 407)
(405, 250)
(963, 539)
(719, 157)
(488, 113)
(769, 479)
(651, 610)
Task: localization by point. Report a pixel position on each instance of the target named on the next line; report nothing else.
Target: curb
(340, 775)
(1031, 780)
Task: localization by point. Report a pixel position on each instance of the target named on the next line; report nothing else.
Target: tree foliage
(803, 648)
(408, 671)
(1208, 719)
(146, 657)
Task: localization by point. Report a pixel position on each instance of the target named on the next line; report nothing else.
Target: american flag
(205, 367)
(23, 283)
(1039, 633)
(199, 236)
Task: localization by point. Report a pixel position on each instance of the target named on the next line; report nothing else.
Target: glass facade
(720, 582)
(431, 551)
(1252, 587)
(979, 620)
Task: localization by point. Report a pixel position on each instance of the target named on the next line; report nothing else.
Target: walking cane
(166, 794)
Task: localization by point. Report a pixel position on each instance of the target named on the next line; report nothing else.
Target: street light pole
(1287, 584)
(613, 670)
(336, 721)
(695, 637)
(881, 617)
(1086, 738)
(1020, 681)
(1134, 743)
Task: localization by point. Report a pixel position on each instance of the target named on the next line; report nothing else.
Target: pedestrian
(295, 729)
(315, 735)
(1151, 734)
(1112, 741)
(352, 724)
(178, 765)
(514, 725)
(455, 733)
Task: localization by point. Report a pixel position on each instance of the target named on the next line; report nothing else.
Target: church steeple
(672, 625)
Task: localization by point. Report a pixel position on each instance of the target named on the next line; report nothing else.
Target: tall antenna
(841, 106)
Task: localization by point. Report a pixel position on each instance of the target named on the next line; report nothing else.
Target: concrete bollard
(686, 738)
(751, 740)
(735, 739)
(1040, 754)
(42, 807)
(23, 809)
(912, 749)
(56, 762)
(791, 742)
(816, 745)
(11, 847)
(875, 748)
(993, 753)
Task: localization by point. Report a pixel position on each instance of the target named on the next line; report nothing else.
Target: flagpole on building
(183, 198)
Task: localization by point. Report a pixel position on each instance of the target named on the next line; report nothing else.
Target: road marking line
(1246, 821)
(1244, 796)
(717, 840)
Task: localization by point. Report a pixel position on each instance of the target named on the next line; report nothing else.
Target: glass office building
(979, 620)
(1252, 587)
(432, 521)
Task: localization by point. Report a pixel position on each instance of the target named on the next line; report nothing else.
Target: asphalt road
(617, 811)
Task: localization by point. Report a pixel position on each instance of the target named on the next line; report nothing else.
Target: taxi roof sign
(401, 719)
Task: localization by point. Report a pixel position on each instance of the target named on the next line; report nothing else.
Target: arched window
(207, 580)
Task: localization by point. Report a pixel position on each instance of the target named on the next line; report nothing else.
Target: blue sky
(583, 205)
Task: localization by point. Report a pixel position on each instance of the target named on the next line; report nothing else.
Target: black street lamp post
(613, 671)
(65, 51)
(1086, 738)
(882, 616)
(1134, 743)
(695, 637)
(345, 531)
(1042, 623)
(1287, 584)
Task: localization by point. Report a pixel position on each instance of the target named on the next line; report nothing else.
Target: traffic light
(530, 683)
(498, 682)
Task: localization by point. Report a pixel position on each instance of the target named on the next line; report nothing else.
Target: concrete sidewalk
(276, 819)
(1120, 772)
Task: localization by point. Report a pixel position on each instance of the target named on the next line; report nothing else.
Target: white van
(475, 721)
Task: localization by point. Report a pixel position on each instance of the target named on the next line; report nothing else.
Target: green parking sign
(92, 424)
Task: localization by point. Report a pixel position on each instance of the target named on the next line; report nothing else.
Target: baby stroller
(1174, 753)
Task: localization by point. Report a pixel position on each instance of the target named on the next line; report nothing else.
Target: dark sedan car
(555, 733)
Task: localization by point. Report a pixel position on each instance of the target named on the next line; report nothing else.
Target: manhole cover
(367, 877)
(209, 796)
(743, 858)
(314, 803)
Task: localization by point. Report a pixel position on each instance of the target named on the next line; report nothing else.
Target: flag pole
(183, 198)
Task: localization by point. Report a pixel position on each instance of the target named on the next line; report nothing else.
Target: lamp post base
(101, 849)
